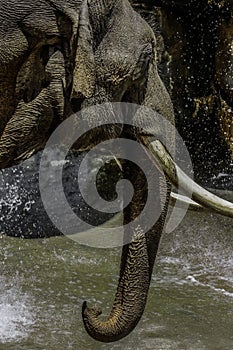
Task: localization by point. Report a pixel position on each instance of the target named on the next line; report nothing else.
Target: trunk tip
(84, 306)
(94, 311)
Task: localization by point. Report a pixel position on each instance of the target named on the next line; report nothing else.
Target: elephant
(59, 57)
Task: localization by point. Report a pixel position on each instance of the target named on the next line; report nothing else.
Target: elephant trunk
(130, 298)
(137, 263)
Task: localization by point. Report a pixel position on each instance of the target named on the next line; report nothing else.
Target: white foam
(16, 317)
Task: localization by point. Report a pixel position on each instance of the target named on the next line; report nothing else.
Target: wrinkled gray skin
(57, 57)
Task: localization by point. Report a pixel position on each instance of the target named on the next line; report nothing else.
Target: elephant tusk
(181, 201)
(178, 178)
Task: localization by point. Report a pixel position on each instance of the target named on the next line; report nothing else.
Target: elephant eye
(145, 58)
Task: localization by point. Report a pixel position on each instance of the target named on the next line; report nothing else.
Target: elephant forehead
(128, 40)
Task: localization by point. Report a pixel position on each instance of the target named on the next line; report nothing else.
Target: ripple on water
(222, 291)
(16, 316)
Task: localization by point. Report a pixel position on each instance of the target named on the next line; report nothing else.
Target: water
(44, 282)
(16, 312)
(190, 306)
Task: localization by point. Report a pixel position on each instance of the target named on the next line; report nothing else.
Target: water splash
(16, 316)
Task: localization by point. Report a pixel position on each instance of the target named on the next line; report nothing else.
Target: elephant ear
(84, 70)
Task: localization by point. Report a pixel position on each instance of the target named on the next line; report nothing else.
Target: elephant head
(58, 57)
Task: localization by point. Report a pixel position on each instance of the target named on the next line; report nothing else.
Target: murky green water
(44, 282)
